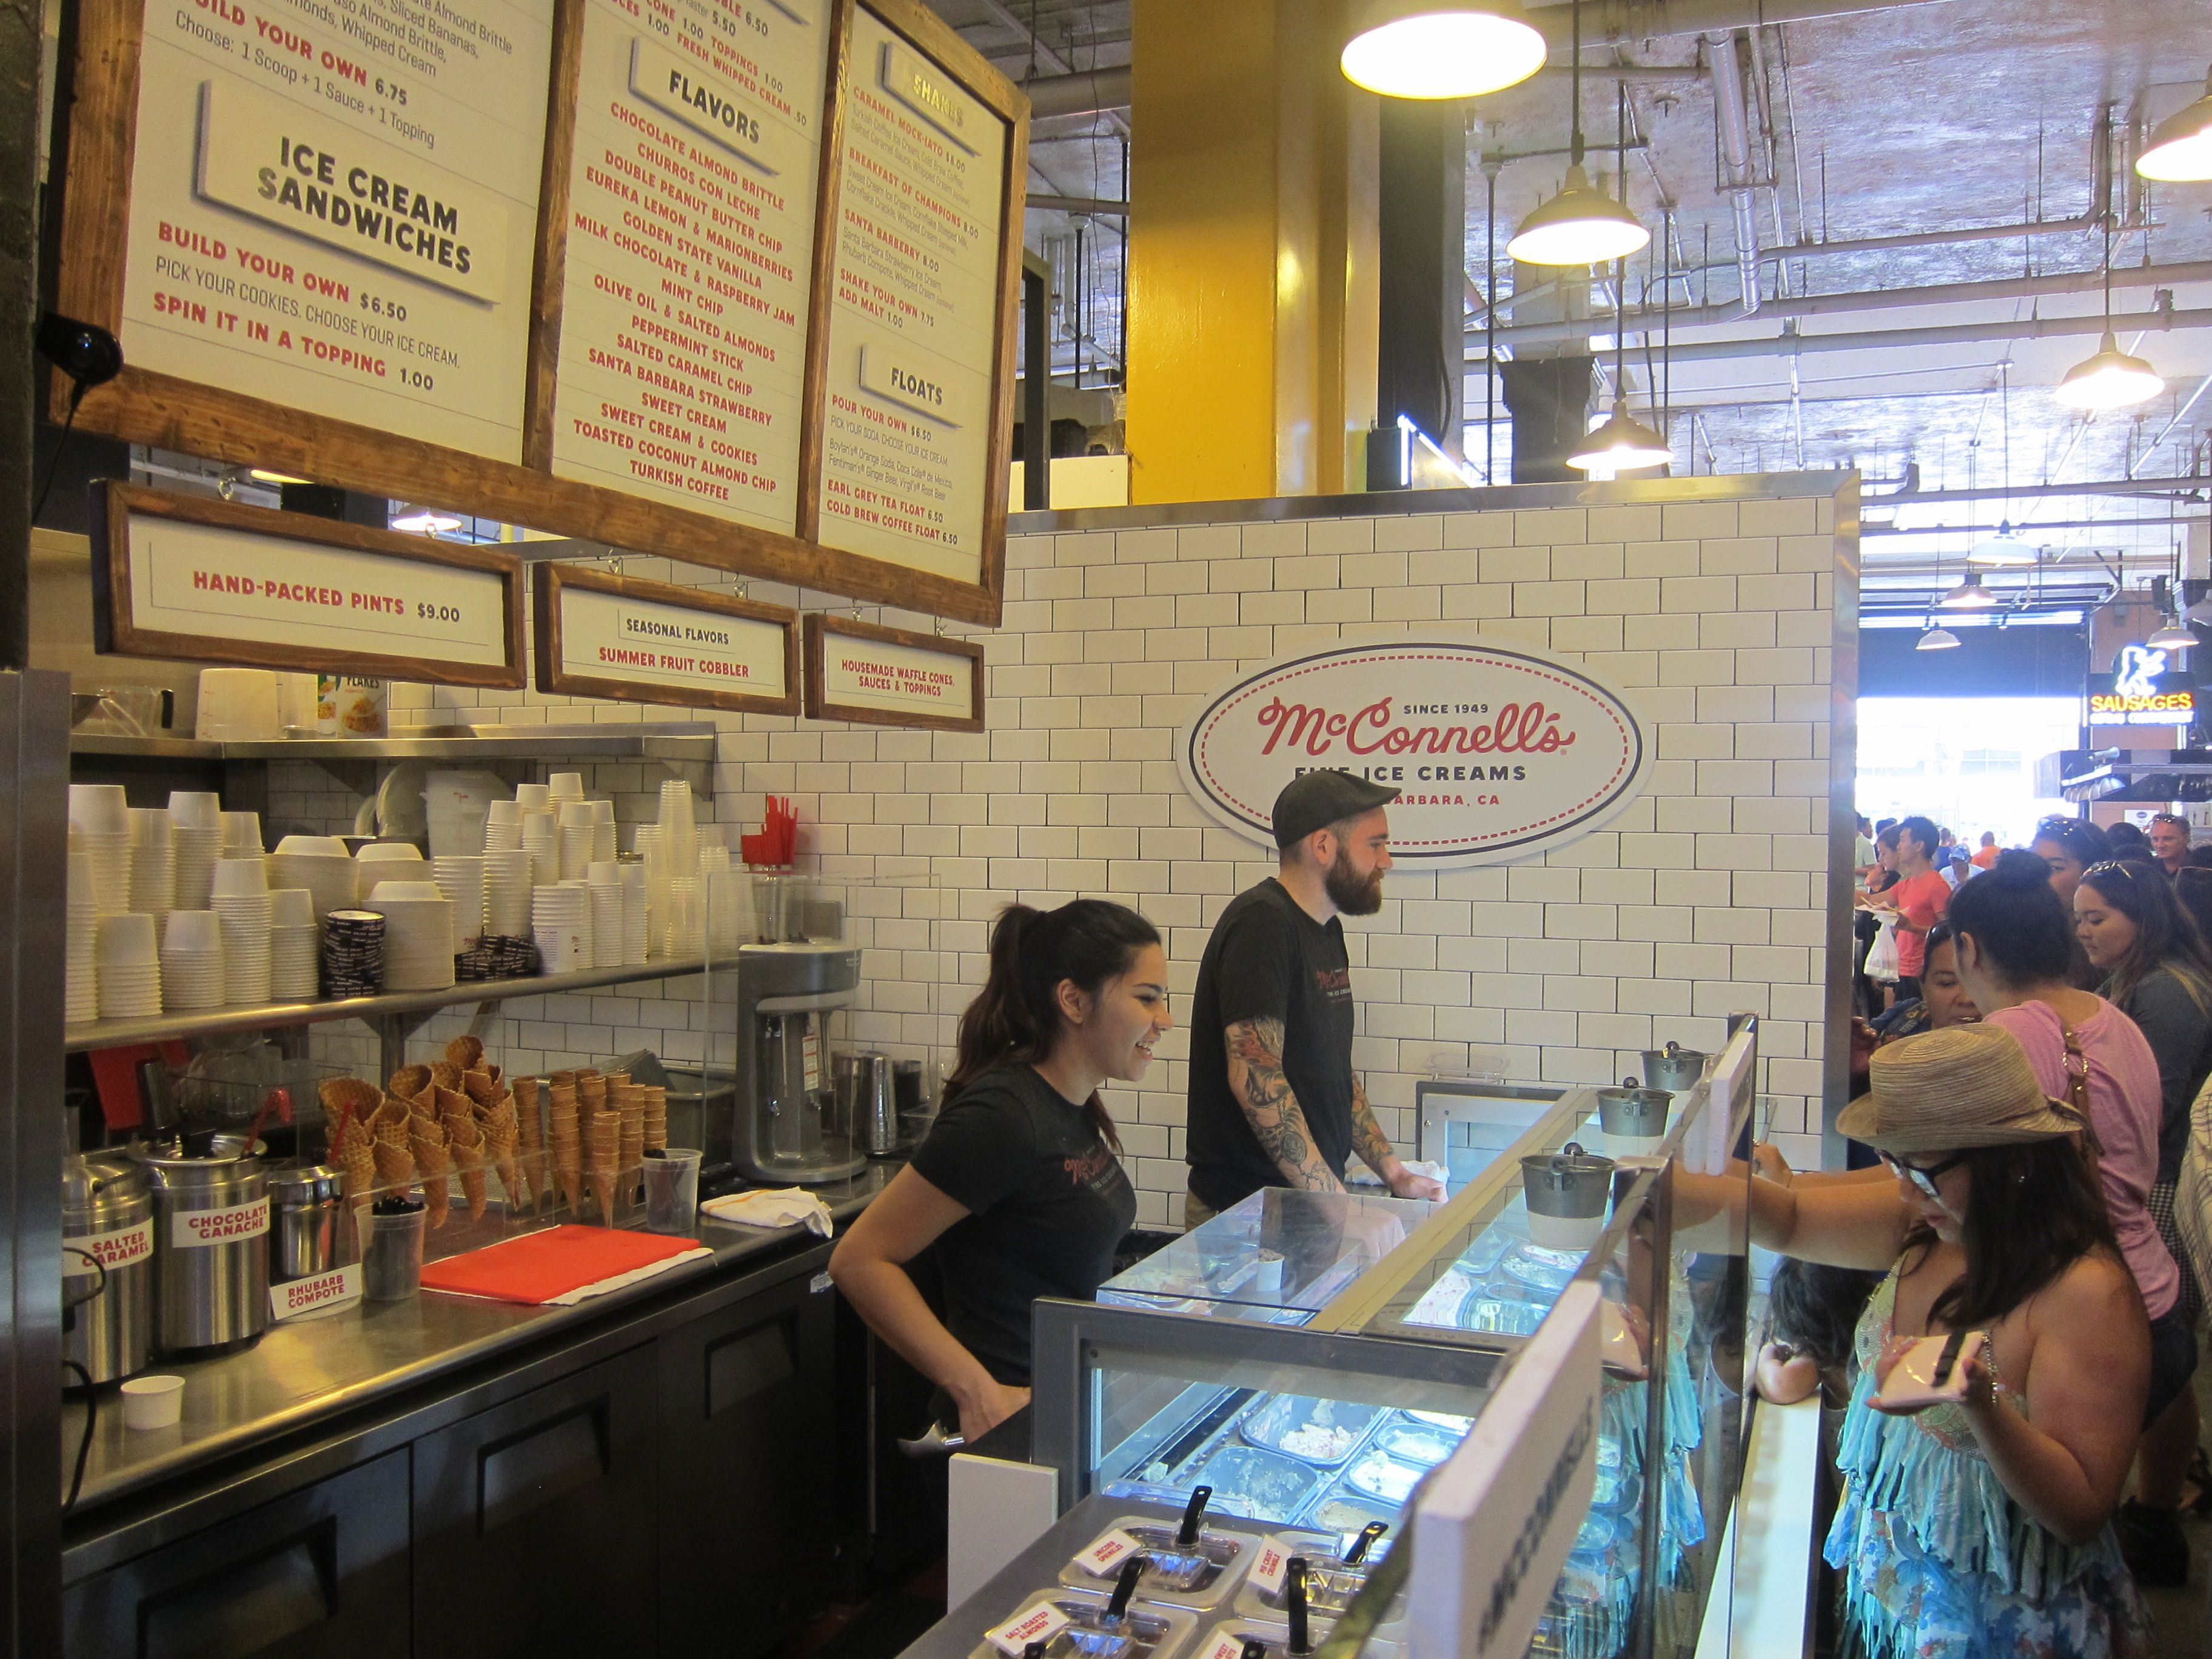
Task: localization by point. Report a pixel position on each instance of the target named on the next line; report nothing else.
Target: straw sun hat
(1970, 1086)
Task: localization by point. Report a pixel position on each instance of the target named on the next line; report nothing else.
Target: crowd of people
(2032, 1038)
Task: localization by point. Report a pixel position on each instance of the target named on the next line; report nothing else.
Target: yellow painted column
(1251, 244)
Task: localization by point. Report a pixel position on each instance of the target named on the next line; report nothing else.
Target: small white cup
(240, 877)
(195, 809)
(154, 1402)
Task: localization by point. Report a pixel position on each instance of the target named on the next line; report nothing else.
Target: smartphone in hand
(1931, 1372)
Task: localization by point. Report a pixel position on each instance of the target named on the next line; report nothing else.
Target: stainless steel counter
(300, 1373)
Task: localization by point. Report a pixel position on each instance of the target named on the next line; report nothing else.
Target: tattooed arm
(1375, 1150)
(1255, 1077)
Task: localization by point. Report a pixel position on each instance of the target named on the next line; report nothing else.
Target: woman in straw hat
(1983, 1529)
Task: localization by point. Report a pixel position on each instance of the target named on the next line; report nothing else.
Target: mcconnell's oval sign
(1500, 751)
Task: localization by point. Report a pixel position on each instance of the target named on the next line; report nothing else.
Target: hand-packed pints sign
(1498, 751)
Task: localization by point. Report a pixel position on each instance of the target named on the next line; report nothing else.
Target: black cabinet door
(747, 1517)
(533, 1521)
(321, 1573)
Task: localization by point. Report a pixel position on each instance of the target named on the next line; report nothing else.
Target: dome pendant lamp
(1435, 49)
(1581, 225)
(2109, 378)
(2180, 146)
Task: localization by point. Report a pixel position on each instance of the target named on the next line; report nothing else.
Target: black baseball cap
(1321, 799)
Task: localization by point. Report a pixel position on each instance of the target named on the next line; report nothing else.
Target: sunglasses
(1924, 1176)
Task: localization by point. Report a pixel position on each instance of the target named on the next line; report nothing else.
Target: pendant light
(1426, 49)
(2109, 377)
(2180, 146)
(1936, 639)
(1581, 225)
(1968, 595)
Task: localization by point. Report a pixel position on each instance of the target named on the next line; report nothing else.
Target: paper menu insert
(915, 276)
(334, 208)
(689, 253)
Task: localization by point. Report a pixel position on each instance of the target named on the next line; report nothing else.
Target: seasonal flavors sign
(1499, 750)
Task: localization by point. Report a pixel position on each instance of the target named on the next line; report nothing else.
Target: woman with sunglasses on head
(2067, 848)
(2012, 938)
(1979, 1529)
(2136, 930)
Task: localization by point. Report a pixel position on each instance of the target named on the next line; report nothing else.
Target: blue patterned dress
(1936, 1561)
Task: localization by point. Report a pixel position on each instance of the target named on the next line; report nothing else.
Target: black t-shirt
(1269, 959)
(1048, 1203)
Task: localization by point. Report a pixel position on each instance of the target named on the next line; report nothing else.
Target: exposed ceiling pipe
(1898, 339)
(1733, 123)
(1880, 299)
(1086, 92)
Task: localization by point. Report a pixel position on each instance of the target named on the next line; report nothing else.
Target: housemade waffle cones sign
(1499, 750)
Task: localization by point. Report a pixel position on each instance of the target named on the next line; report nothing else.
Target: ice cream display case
(1309, 1421)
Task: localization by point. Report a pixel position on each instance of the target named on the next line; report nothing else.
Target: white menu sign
(334, 205)
(661, 648)
(307, 598)
(690, 239)
(906, 432)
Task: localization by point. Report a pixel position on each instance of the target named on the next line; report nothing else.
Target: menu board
(604, 635)
(201, 579)
(856, 670)
(915, 281)
(335, 203)
(689, 252)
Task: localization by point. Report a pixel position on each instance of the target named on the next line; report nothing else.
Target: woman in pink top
(2014, 938)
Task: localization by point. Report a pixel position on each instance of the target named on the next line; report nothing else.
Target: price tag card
(1102, 1558)
(207, 580)
(1039, 1624)
(111, 1250)
(197, 1229)
(892, 677)
(600, 635)
(311, 1298)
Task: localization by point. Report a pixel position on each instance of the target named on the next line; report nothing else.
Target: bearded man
(1274, 1100)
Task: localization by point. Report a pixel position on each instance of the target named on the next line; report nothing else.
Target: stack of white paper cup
(129, 968)
(240, 898)
(196, 836)
(506, 893)
(83, 977)
(604, 881)
(294, 944)
(192, 962)
(100, 816)
(633, 910)
(560, 923)
(153, 864)
(461, 880)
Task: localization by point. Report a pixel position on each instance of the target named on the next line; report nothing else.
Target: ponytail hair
(1015, 1018)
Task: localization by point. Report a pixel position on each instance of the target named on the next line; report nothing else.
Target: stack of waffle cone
(466, 1137)
(434, 1155)
(565, 1135)
(503, 1137)
(604, 1151)
(656, 1116)
(529, 1126)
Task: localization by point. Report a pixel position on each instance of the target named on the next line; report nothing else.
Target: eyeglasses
(1924, 1178)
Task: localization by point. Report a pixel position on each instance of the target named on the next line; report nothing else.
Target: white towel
(777, 1207)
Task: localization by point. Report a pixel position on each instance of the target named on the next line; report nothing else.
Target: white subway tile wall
(1709, 894)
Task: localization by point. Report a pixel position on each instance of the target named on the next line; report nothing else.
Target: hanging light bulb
(2109, 379)
(2171, 637)
(1424, 48)
(2005, 549)
(1580, 226)
(1621, 443)
(2180, 146)
(1937, 639)
(1968, 595)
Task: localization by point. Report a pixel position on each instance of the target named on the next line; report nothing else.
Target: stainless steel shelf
(113, 1033)
(676, 740)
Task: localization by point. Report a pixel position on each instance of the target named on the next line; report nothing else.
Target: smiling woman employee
(1017, 1182)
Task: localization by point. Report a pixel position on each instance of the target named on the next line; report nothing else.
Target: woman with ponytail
(1017, 1183)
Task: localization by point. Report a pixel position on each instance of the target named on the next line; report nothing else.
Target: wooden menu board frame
(223, 424)
(820, 627)
(552, 579)
(116, 630)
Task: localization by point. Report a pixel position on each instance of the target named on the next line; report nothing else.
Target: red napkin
(539, 1266)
